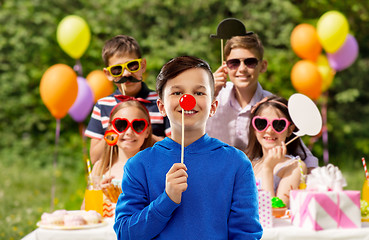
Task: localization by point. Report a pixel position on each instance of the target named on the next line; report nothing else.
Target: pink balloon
(345, 56)
(84, 102)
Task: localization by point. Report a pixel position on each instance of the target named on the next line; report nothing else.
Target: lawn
(25, 192)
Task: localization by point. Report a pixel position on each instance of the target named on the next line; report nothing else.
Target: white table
(100, 233)
(282, 230)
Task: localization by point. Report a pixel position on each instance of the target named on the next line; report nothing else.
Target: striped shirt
(101, 112)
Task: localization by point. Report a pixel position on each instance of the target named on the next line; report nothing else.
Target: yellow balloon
(73, 36)
(326, 72)
(332, 29)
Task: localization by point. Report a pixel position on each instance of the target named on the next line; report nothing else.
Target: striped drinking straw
(89, 171)
(366, 171)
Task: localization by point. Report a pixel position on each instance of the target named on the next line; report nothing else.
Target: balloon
(305, 42)
(306, 78)
(326, 72)
(332, 29)
(305, 115)
(187, 102)
(73, 36)
(58, 89)
(99, 84)
(84, 102)
(346, 55)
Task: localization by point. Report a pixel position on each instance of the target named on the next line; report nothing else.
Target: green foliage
(164, 29)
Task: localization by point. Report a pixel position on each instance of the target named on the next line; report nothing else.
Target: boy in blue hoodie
(212, 195)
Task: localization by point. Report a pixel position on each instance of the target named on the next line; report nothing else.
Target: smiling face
(243, 76)
(130, 141)
(130, 88)
(269, 139)
(195, 82)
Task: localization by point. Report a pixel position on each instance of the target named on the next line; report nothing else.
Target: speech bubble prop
(305, 115)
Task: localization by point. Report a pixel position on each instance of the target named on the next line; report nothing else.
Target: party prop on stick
(111, 138)
(187, 103)
(227, 29)
(305, 115)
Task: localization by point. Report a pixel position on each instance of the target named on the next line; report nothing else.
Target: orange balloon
(306, 79)
(305, 42)
(59, 89)
(99, 84)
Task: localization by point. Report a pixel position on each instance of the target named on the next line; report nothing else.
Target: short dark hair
(120, 45)
(177, 66)
(250, 42)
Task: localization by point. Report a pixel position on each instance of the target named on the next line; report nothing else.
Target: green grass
(26, 193)
(25, 189)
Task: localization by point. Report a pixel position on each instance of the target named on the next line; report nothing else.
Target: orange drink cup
(94, 195)
(365, 191)
(94, 200)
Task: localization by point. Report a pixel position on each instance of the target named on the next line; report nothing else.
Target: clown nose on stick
(111, 138)
(187, 103)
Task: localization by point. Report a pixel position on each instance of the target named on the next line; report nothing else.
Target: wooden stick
(293, 139)
(221, 50)
(182, 147)
(122, 86)
(111, 156)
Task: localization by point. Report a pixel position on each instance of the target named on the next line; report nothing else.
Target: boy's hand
(220, 79)
(176, 182)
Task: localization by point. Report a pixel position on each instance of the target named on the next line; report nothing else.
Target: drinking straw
(182, 147)
(301, 171)
(89, 171)
(366, 171)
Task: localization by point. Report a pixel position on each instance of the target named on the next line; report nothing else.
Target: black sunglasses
(235, 63)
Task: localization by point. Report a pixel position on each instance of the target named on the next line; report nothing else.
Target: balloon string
(182, 147)
(78, 68)
(324, 129)
(53, 182)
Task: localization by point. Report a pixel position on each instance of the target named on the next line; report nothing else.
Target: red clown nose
(187, 102)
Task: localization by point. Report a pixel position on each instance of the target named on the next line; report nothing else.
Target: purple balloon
(84, 102)
(345, 56)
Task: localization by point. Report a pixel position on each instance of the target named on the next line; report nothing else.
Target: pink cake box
(265, 209)
(325, 210)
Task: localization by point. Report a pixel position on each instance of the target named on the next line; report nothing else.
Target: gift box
(324, 210)
(265, 209)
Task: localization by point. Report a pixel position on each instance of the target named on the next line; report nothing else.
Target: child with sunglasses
(125, 67)
(244, 63)
(131, 121)
(212, 195)
(275, 164)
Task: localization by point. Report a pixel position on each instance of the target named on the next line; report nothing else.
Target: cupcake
(278, 207)
(92, 217)
(72, 220)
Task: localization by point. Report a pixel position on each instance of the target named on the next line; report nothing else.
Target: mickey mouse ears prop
(230, 27)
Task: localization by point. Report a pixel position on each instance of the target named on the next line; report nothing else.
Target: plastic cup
(94, 196)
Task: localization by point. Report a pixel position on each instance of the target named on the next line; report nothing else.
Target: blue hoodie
(221, 200)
